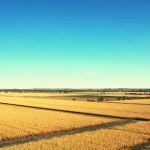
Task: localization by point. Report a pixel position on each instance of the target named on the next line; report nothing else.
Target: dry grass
(98, 140)
(127, 110)
(20, 122)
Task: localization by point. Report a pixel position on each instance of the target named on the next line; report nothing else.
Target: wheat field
(127, 110)
(97, 140)
(20, 122)
(29, 128)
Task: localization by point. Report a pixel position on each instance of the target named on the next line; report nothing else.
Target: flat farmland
(105, 139)
(20, 122)
(80, 96)
(112, 109)
(37, 123)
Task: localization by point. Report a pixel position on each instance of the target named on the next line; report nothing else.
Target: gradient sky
(74, 43)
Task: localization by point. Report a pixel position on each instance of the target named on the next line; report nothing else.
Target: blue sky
(77, 44)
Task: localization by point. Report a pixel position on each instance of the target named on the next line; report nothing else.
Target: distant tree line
(69, 90)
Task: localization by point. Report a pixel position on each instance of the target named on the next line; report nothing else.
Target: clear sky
(74, 43)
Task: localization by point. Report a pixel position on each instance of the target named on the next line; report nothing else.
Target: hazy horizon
(76, 44)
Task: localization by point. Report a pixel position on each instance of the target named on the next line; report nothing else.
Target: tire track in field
(50, 135)
(76, 112)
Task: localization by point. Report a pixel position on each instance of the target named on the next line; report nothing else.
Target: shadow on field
(49, 135)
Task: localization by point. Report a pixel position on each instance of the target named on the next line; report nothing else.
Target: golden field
(123, 110)
(98, 140)
(20, 122)
(29, 128)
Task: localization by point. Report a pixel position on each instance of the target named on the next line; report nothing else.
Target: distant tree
(118, 98)
(100, 98)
